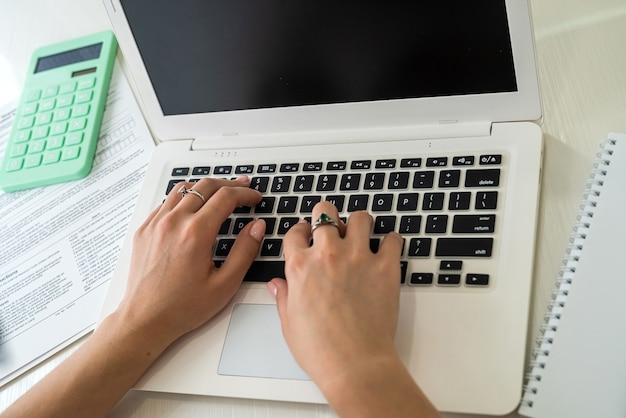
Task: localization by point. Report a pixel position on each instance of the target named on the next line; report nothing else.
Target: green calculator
(57, 123)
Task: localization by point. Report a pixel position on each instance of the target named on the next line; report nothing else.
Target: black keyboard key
(486, 200)
(374, 245)
(222, 170)
(464, 247)
(387, 163)
(225, 228)
(454, 265)
(384, 224)
(312, 166)
(482, 178)
(382, 203)
(270, 225)
(244, 169)
(266, 205)
(303, 184)
(308, 202)
(259, 183)
(285, 224)
(433, 201)
(474, 224)
(361, 165)
(403, 268)
(436, 224)
(326, 183)
(180, 171)
(239, 224)
(242, 209)
(358, 202)
(264, 271)
(419, 247)
(337, 200)
(374, 181)
(171, 184)
(201, 171)
(449, 178)
(266, 169)
(459, 201)
(350, 182)
(287, 204)
(449, 279)
(411, 163)
(421, 279)
(466, 160)
(399, 180)
(336, 165)
(477, 279)
(424, 179)
(437, 162)
(223, 247)
(407, 202)
(492, 159)
(410, 224)
(271, 247)
(281, 184)
(289, 168)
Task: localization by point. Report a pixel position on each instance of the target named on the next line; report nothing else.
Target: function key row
(470, 160)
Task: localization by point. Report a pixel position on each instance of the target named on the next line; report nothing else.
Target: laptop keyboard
(445, 207)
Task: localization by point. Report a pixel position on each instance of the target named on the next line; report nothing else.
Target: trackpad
(255, 346)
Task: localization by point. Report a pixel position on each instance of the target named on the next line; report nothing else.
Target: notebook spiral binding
(548, 330)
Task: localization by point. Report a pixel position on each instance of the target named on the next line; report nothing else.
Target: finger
(326, 233)
(222, 203)
(392, 245)
(280, 289)
(359, 229)
(174, 197)
(242, 254)
(206, 188)
(298, 237)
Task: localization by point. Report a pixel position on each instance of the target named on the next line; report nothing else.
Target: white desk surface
(581, 53)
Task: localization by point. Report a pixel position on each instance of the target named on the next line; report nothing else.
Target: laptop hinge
(444, 129)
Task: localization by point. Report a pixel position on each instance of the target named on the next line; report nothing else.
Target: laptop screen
(209, 56)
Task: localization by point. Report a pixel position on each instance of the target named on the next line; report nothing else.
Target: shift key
(464, 247)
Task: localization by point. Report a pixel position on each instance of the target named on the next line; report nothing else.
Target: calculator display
(69, 57)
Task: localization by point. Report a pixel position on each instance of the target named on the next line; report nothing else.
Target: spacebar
(264, 271)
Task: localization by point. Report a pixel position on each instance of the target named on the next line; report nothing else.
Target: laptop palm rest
(255, 347)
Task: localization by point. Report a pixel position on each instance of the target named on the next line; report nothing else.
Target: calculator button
(68, 87)
(18, 150)
(40, 132)
(86, 83)
(62, 114)
(33, 95)
(36, 146)
(65, 101)
(29, 109)
(44, 118)
(50, 91)
(59, 128)
(77, 124)
(84, 96)
(51, 157)
(26, 123)
(15, 164)
(22, 136)
(71, 153)
(81, 110)
(74, 138)
(47, 105)
(55, 142)
(32, 161)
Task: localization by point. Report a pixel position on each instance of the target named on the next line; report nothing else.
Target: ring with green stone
(323, 220)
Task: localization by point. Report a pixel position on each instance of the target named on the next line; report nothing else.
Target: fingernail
(243, 179)
(257, 231)
(272, 288)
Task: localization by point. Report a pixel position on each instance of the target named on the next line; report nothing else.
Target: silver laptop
(420, 112)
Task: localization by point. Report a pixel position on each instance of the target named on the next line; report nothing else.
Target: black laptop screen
(207, 55)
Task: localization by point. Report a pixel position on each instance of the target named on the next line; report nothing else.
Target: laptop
(420, 112)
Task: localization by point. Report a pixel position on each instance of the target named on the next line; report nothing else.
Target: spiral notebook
(580, 364)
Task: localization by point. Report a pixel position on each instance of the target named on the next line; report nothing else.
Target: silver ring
(183, 191)
(323, 220)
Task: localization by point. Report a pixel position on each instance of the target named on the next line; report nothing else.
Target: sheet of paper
(59, 244)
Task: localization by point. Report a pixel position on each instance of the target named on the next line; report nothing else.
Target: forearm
(378, 388)
(91, 381)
